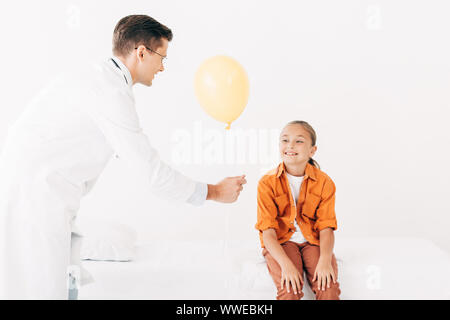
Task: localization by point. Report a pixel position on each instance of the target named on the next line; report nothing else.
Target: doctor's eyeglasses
(163, 58)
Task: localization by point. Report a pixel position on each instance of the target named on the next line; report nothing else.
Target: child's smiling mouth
(291, 154)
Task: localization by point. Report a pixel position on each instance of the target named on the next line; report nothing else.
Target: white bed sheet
(369, 268)
(162, 270)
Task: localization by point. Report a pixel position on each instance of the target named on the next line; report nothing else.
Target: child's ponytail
(314, 163)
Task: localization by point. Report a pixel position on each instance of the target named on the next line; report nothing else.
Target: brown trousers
(304, 256)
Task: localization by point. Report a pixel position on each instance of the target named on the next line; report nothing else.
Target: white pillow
(107, 241)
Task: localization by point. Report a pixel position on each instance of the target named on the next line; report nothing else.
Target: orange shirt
(314, 210)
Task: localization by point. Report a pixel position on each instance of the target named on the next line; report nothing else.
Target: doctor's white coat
(52, 157)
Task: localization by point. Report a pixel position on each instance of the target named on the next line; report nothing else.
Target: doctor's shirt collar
(124, 70)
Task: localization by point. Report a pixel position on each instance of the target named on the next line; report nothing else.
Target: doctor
(59, 146)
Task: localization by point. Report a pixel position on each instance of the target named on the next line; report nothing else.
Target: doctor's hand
(227, 190)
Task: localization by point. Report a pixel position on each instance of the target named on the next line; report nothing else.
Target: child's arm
(324, 270)
(326, 244)
(289, 272)
(326, 224)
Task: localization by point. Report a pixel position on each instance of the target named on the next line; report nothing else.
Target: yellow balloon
(222, 88)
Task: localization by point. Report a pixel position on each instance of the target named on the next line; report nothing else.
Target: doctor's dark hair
(312, 134)
(134, 30)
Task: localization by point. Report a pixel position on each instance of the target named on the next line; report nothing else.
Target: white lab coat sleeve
(199, 195)
(114, 113)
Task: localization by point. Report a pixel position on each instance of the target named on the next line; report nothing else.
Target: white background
(372, 78)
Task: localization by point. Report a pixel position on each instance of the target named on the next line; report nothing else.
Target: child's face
(296, 145)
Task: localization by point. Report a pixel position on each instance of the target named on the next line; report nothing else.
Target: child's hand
(324, 273)
(290, 274)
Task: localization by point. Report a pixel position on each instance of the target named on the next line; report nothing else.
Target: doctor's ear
(140, 50)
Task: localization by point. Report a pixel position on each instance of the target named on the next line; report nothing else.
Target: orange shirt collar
(309, 171)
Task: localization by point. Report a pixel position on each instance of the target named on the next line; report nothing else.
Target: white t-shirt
(295, 184)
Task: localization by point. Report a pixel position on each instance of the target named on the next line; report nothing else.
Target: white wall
(372, 77)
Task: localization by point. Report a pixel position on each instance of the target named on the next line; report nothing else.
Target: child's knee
(331, 293)
(284, 295)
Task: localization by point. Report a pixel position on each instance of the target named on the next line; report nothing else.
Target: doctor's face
(150, 62)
